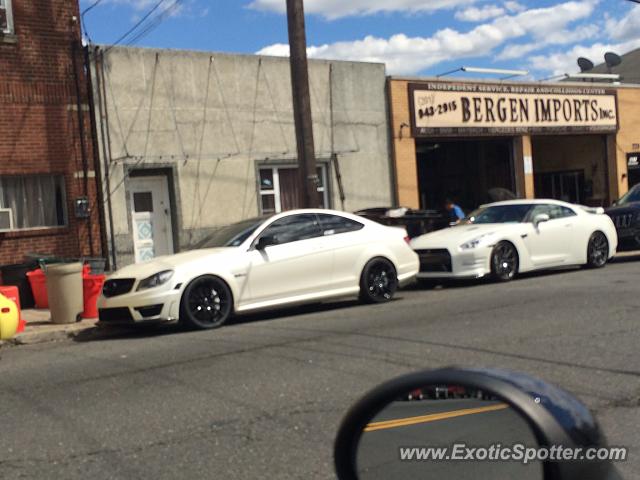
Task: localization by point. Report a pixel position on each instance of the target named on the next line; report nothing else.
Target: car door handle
(569, 225)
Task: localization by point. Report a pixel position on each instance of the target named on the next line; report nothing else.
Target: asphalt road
(432, 423)
(263, 397)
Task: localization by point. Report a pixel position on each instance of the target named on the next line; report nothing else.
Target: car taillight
(407, 239)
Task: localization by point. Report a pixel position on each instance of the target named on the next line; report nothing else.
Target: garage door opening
(571, 168)
(464, 171)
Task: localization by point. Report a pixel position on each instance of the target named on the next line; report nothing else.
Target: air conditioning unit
(6, 219)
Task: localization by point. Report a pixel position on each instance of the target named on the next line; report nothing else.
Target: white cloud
(625, 36)
(627, 27)
(332, 9)
(514, 7)
(561, 37)
(566, 62)
(405, 55)
(474, 14)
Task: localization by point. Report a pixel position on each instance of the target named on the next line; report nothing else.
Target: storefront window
(6, 20)
(566, 186)
(32, 202)
(280, 192)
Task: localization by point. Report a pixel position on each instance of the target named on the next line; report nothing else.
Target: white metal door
(151, 217)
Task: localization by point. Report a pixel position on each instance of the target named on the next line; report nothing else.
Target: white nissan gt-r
(295, 257)
(506, 238)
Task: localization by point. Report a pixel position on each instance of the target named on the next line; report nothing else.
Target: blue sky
(413, 37)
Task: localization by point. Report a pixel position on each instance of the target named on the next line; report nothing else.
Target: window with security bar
(6, 19)
(279, 188)
(32, 201)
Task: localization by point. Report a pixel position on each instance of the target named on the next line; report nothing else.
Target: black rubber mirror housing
(555, 416)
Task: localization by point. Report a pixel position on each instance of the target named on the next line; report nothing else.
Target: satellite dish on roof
(612, 59)
(585, 64)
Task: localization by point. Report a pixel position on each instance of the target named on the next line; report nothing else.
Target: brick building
(46, 151)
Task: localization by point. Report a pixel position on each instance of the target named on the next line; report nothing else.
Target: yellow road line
(404, 422)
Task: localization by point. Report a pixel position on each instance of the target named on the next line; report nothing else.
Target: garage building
(465, 139)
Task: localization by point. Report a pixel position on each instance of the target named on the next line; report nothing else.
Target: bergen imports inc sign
(483, 109)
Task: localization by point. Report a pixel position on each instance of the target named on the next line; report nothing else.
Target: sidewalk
(39, 328)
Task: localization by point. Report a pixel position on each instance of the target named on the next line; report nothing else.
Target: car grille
(116, 315)
(435, 261)
(119, 286)
(624, 221)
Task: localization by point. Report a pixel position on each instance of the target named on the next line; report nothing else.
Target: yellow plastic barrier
(8, 318)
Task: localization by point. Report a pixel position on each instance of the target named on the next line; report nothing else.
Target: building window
(6, 18)
(279, 189)
(32, 202)
(567, 186)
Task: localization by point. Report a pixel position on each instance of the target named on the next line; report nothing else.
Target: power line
(140, 22)
(91, 7)
(84, 12)
(155, 22)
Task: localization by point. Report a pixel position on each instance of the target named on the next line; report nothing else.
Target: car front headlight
(155, 280)
(471, 244)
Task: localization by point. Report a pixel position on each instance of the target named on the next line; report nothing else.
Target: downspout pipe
(96, 152)
(81, 131)
(105, 137)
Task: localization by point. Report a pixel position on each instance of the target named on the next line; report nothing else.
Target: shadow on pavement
(425, 285)
(627, 257)
(127, 332)
(130, 331)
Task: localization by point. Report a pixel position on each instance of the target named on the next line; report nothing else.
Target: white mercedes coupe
(295, 257)
(506, 238)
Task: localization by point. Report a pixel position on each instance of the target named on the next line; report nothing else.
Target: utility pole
(302, 105)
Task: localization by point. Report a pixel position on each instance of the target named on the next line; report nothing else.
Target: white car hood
(455, 236)
(171, 262)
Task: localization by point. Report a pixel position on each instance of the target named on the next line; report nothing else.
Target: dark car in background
(625, 214)
(419, 222)
(416, 222)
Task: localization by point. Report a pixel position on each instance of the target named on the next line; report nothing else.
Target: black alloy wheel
(504, 262)
(597, 251)
(206, 303)
(379, 281)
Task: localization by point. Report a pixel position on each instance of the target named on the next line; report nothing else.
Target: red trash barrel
(13, 293)
(38, 282)
(92, 286)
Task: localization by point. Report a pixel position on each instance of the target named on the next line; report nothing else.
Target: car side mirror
(541, 218)
(615, 203)
(266, 241)
(471, 423)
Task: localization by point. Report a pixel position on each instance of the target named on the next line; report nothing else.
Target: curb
(34, 338)
(91, 332)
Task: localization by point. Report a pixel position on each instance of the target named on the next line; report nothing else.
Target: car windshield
(231, 236)
(500, 214)
(631, 196)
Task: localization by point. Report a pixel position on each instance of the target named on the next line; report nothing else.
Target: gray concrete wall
(213, 117)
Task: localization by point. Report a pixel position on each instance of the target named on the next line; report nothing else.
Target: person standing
(454, 211)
